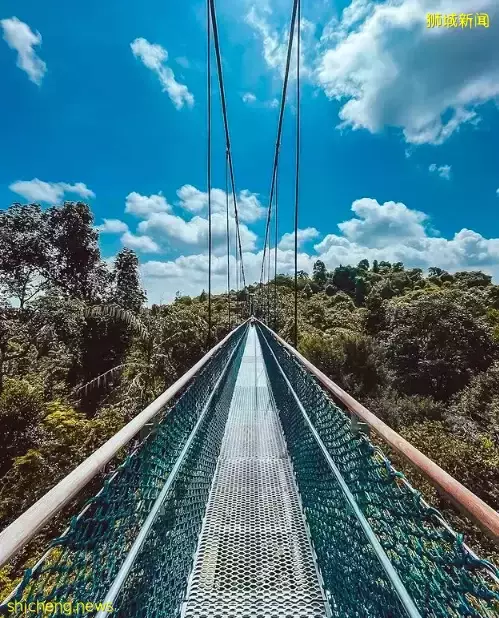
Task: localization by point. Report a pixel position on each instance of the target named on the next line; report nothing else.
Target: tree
(434, 346)
(473, 278)
(475, 410)
(74, 256)
(24, 254)
(344, 279)
(362, 288)
(127, 291)
(319, 275)
(21, 410)
(57, 247)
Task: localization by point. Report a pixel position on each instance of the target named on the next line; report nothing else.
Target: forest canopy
(81, 353)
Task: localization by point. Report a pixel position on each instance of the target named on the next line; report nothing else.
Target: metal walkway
(254, 558)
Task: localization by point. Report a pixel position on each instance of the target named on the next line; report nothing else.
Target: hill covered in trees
(81, 353)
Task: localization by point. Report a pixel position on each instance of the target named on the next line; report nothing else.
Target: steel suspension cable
(297, 171)
(228, 232)
(211, 4)
(279, 129)
(208, 94)
(268, 282)
(276, 237)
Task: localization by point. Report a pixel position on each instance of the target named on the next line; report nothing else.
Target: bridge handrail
(25, 527)
(462, 498)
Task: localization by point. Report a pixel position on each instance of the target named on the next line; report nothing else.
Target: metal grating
(254, 558)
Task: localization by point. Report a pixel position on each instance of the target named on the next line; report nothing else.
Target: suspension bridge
(256, 491)
(254, 487)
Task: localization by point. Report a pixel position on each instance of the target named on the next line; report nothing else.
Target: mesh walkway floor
(254, 558)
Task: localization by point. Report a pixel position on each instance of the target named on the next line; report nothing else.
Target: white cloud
(189, 274)
(196, 201)
(497, 192)
(154, 57)
(273, 103)
(140, 243)
(248, 97)
(275, 42)
(391, 70)
(143, 205)
(388, 231)
(377, 225)
(20, 37)
(288, 240)
(49, 192)
(394, 232)
(112, 226)
(443, 170)
(193, 235)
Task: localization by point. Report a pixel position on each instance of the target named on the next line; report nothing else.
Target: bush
(475, 409)
(473, 462)
(435, 345)
(398, 410)
(21, 408)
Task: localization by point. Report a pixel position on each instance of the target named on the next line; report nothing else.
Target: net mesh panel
(442, 577)
(83, 563)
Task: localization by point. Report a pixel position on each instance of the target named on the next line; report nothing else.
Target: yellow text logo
(457, 20)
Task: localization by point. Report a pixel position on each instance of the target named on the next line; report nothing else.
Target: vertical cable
(297, 180)
(228, 232)
(208, 93)
(268, 283)
(276, 214)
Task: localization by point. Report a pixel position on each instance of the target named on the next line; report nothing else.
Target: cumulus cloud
(112, 226)
(443, 170)
(389, 69)
(49, 192)
(248, 97)
(288, 240)
(383, 231)
(154, 57)
(377, 225)
(394, 232)
(193, 234)
(20, 37)
(196, 201)
(189, 274)
(140, 243)
(144, 205)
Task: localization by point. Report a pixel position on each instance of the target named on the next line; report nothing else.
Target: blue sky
(106, 102)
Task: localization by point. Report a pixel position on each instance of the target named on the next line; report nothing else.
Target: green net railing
(442, 577)
(82, 564)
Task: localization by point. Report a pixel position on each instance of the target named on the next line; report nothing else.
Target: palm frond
(103, 378)
(118, 313)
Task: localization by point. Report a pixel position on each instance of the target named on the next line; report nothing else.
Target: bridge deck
(254, 558)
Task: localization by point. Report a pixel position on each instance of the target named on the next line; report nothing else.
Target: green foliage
(475, 410)
(347, 357)
(21, 410)
(80, 355)
(435, 345)
(474, 462)
(127, 291)
(319, 275)
(399, 410)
